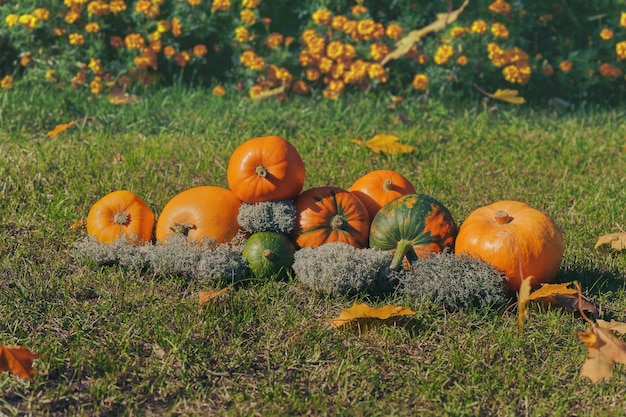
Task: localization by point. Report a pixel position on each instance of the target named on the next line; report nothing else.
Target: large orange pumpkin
(201, 212)
(330, 214)
(379, 187)
(120, 214)
(266, 168)
(516, 239)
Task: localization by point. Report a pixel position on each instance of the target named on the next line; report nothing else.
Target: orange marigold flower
(305, 58)
(218, 90)
(194, 2)
(177, 27)
(134, 41)
(95, 86)
(377, 72)
(479, 26)
(117, 6)
(358, 10)
(313, 74)
(25, 59)
(200, 50)
(247, 16)
(220, 5)
(620, 49)
(622, 20)
(499, 30)
(379, 31)
(288, 40)
(378, 51)
(365, 28)
(92, 27)
(443, 54)
(500, 6)
(7, 81)
(78, 80)
(274, 40)
(300, 87)
(321, 16)
(98, 8)
(393, 31)
(547, 70)
(606, 34)
(29, 21)
(71, 16)
(349, 51)
(241, 34)
(350, 29)
(338, 22)
(156, 45)
(76, 39)
(41, 13)
(334, 89)
(325, 64)
(608, 70)
(422, 59)
(334, 50)
(565, 66)
(250, 4)
(420, 82)
(462, 60)
(116, 42)
(457, 31)
(182, 58)
(163, 26)
(11, 19)
(148, 8)
(169, 51)
(255, 90)
(95, 65)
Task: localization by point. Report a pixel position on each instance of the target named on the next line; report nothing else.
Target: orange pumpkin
(377, 188)
(330, 214)
(516, 239)
(266, 168)
(121, 214)
(200, 212)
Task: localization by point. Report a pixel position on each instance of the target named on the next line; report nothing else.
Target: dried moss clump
(268, 216)
(455, 281)
(206, 262)
(341, 269)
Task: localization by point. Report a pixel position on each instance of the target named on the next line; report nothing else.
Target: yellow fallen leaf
(509, 96)
(118, 96)
(78, 223)
(405, 44)
(522, 299)
(547, 292)
(616, 326)
(616, 240)
(209, 295)
(269, 93)
(385, 143)
(64, 126)
(362, 311)
(603, 351)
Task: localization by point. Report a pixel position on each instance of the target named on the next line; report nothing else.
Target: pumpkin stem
(404, 247)
(268, 254)
(182, 228)
(122, 218)
(387, 185)
(502, 217)
(261, 171)
(337, 222)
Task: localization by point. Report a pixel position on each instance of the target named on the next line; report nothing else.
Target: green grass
(122, 343)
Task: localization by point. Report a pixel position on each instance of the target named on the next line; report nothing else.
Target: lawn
(119, 342)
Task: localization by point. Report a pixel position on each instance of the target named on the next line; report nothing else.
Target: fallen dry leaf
(507, 95)
(617, 241)
(269, 93)
(18, 360)
(404, 45)
(78, 223)
(64, 126)
(118, 97)
(363, 311)
(385, 143)
(550, 293)
(616, 326)
(522, 299)
(603, 350)
(572, 303)
(209, 295)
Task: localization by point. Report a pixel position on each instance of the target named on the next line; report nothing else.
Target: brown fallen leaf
(522, 299)
(572, 303)
(363, 311)
(604, 350)
(404, 45)
(616, 326)
(617, 241)
(385, 143)
(209, 295)
(119, 96)
(550, 293)
(18, 360)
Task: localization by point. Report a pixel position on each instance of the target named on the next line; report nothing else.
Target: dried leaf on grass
(118, 96)
(404, 45)
(268, 93)
(617, 241)
(385, 143)
(507, 95)
(363, 311)
(604, 350)
(551, 293)
(616, 326)
(18, 360)
(209, 295)
(64, 126)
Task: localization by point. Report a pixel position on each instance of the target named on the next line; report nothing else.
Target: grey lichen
(341, 269)
(457, 282)
(272, 216)
(205, 262)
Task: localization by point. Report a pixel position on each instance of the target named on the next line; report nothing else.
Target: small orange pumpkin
(515, 238)
(377, 188)
(121, 214)
(330, 214)
(266, 168)
(201, 212)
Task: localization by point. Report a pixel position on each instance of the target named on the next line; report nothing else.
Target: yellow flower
(76, 39)
(338, 22)
(622, 20)
(41, 13)
(194, 2)
(241, 34)
(95, 86)
(378, 51)
(312, 74)
(394, 31)
(11, 19)
(117, 6)
(365, 28)
(325, 64)
(358, 10)
(334, 89)
(420, 82)
(218, 90)
(349, 51)
(95, 65)
(620, 49)
(499, 30)
(443, 54)
(377, 72)
(247, 16)
(334, 50)
(25, 59)
(7, 81)
(148, 8)
(500, 6)
(169, 51)
(71, 16)
(199, 50)
(457, 32)
(134, 41)
(98, 8)
(177, 27)
(321, 16)
(274, 40)
(250, 4)
(92, 27)
(515, 74)
(462, 60)
(29, 21)
(479, 26)
(255, 90)
(220, 5)
(606, 34)
(182, 58)
(565, 66)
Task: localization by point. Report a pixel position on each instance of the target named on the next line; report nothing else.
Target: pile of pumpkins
(380, 210)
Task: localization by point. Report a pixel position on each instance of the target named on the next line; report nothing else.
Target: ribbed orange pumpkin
(515, 238)
(120, 214)
(201, 212)
(330, 214)
(266, 168)
(377, 188)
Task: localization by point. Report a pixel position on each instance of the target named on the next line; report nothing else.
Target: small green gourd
(269, 254)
